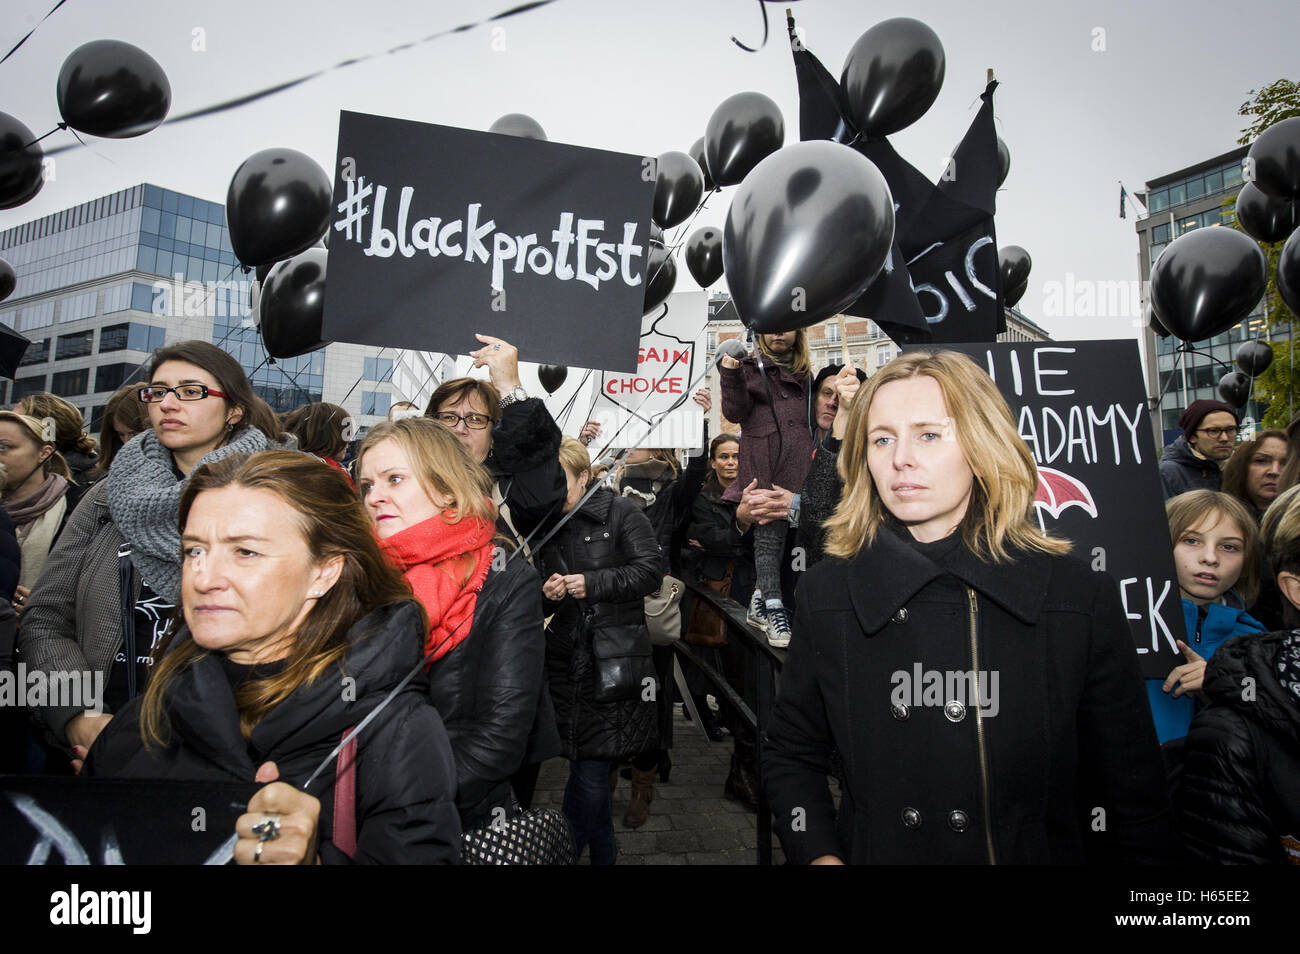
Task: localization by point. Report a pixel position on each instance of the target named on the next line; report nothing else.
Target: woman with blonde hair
(432, 508)
(980, 685)
(72, 442)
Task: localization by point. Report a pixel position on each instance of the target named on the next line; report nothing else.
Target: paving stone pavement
(691, 822)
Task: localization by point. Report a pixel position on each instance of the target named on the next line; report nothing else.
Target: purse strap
(345, 797)
(127, 607)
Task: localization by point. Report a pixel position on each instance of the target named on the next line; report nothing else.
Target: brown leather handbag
(708, 626)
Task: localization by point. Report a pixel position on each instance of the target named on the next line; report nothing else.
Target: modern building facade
(1177, 203)
(104, 283)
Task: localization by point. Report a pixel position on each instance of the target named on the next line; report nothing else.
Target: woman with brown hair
(70, 438)
(323, 430)
(286, 598)
(1254, 475)
(980, 685)
(124, 417)
(433, 514)
(114, 577)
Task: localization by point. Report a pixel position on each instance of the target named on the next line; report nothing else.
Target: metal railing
(763, 662)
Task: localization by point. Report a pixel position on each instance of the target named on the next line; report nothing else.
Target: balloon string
(751, 49)
(33, 30)
(682, 230)
(289, 84)
(46, 136)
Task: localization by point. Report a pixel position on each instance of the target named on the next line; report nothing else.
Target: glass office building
(102, 284)
(1177, 203)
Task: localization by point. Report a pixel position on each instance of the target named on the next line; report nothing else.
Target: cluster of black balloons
(105, 88)
(1253, 358)
(1208, 280)
(1013, 265)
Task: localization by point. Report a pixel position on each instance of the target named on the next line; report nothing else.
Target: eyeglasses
(474, 421)
(1217, 432)
(183, 392)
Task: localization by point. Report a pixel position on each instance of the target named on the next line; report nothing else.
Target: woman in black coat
(599, 568)
(433, 514)
(1237, 798)
(981, 687)
(296, 631)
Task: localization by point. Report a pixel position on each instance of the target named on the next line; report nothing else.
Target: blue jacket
(1221, 622)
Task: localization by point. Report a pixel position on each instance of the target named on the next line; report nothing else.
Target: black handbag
(624, 666)
(539, 836)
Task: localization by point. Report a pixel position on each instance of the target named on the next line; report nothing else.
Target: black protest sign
(1081, 408)
(113, 821)
(443, 232)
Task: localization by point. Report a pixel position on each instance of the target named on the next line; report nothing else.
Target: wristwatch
(515, 395)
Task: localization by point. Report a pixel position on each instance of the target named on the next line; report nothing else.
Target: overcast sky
(644, 77)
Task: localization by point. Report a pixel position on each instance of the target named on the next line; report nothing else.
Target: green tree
(1277, 385)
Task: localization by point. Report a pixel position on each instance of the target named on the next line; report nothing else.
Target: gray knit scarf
(144, 499)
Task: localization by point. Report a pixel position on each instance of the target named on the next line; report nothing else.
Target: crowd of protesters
(492, 598)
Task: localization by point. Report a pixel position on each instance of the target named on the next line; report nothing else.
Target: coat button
(954, 710)
(901, 615)
(911, 818)
(899, 711)
(958, 820)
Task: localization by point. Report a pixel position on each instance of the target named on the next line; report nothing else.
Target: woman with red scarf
(433, 514)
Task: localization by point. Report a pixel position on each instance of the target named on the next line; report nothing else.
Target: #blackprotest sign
(670, 358)
(108, 821)
(443, 232)
(1081, 408)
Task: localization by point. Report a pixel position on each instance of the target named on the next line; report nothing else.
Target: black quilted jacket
(611, 542)
(1238, 798)
(491, 692)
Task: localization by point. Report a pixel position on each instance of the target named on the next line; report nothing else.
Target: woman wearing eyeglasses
(112, 580)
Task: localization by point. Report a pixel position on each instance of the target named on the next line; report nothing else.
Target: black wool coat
(405, 774)
(1052, 760)
(491, 692)
(611, 543)
(1238, 797)
(525, 464)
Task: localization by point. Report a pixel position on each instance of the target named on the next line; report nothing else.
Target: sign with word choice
(653, 406)
(440, 233)
(1080, 406)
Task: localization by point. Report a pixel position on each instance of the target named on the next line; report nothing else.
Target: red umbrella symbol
(1056, 491)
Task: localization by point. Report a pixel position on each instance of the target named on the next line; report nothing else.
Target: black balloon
(660, 277)
(279, 203)
(807, 232)
(1153, 321)
(1288, 273)
(113, 89)
(20, 168)
(1254, 357)
(517, 124)
(1234, 388)
(552, 376)
(679, 184)
(656, 234)
(1014, 264)
(8, 280)
(1004, 161)
(697, 153)
(1262, 217)
(1206, 281)
(704, 255)
(1273, 162)
(892, 75)
(733, 347)
(1012, 297)
(744, 130)
(293, 305)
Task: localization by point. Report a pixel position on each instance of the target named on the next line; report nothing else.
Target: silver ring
(496, 347)
(268, 829)
(257, 853)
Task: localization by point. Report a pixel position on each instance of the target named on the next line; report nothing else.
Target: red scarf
(436, 556)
